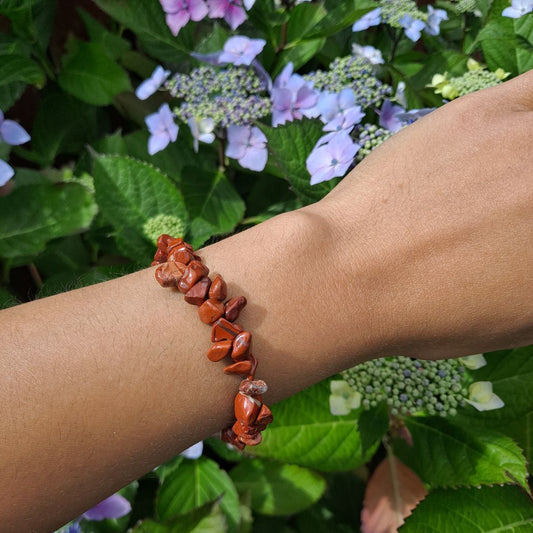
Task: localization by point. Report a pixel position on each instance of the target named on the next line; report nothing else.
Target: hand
(437, 228)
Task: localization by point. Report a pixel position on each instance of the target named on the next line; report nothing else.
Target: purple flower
(6, 173)
(413, 27)
(372, 18)
(388, 118)
(240, 50)
(231, 10)
(518, 8)
(343, 122)
(435, 17)
(331, 105)
(152, 84)
(247, 144)
(179, 12)
(115, 506)
(162, 129)
(201, 130)
(194, 451)
(332, 159)
(11, 132)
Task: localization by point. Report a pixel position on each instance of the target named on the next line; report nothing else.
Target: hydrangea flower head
(343, 398)
(152, 84)
(162, 129)
(115, 506)
(480, 395)
(518, 8)
(179, 12)
(247, 144)
(240, 50)
(201, 130)
(371, 54)
(388, 116)
(332, 159)
(11, 132)
(435, 17)
(413, 27)
(233, 11)
(372, 18)
(6, 173)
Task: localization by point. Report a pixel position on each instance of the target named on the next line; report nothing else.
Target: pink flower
(179, 12)
(232, 11)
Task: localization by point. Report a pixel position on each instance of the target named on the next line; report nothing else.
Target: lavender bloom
(412, 116)
(240, 50)
(331, 159)
(194, 451)
(435, 17)
(372, 18)
(344, 122)
(282, 81)
(388, 118)
(179, 12)
(6, 173)
(115, 506)
(231, 10)
(202, 130)
(247, 144)
(518, 8)
(11, 132)
(371, 54)
(331, 105)
(162, 129)
(413, 27)
(152, 84)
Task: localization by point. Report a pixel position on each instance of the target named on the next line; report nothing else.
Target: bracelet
(181, 268)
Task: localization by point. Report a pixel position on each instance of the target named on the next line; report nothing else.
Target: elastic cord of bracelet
(180, 268)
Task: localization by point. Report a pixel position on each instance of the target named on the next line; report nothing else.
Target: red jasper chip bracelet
(181, 268)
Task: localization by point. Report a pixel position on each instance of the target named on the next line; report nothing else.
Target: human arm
(419, 252)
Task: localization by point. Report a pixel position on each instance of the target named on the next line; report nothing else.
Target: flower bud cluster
(227, 96)
(476, 78)
(411, 386)
(393, 10)
(169, 224)
(353, 73)
(370, 137)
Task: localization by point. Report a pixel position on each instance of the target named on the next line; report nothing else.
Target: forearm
(102, 384)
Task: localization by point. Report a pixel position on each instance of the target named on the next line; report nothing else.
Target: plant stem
(35, 276)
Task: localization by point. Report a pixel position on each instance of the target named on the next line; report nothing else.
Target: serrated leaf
(446, 455)
(33, 215)
(129, 192)
(214, 205)
(304, 432)
(289, 146)
(278, 488)
(193, 484)
(15, 68)
(489, 510)
(89, 74)
(498, 42)
(57, 126)
(147, 19)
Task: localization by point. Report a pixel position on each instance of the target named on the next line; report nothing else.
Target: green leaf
(114, 45)
(7, 299)
(91, 75)
(304, 432)
(129, 192)
(31, 216)
(303, 18)
(299, 54)
(278, 488)
(289, 146)
(523, 27)
(193, 484)
(57, 126)
(344, 14)
(10, 93)
(15, 68)
(147, 19)
(214, 205)
(67, 254)
(489, 510)
(446, 455)
(499, 42)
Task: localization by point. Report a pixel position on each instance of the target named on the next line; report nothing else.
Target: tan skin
(424, 250)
